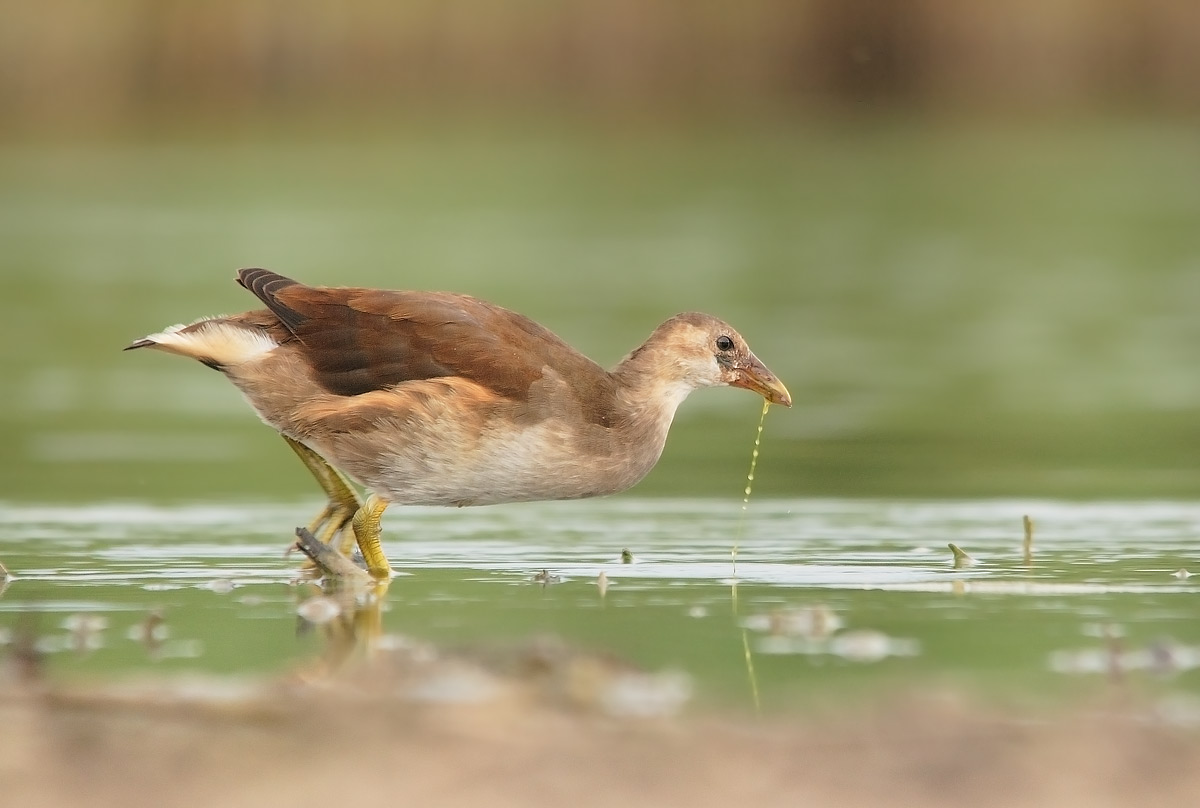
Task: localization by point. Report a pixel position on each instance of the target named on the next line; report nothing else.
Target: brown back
(359, 340)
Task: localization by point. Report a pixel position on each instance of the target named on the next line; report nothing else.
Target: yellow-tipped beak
(755, 376)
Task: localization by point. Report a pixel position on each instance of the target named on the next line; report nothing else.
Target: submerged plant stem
(750, 673)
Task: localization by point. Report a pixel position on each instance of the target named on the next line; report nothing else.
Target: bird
(439, 398)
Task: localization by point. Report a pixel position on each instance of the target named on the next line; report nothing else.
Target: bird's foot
(366, 532)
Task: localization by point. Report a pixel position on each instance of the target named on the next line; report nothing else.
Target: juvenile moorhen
(432, 398)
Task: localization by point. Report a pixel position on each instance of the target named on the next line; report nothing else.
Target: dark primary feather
(265, 284)
(359, 340)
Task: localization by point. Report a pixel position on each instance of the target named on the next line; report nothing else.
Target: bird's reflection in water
(343, 604)
(347, 615)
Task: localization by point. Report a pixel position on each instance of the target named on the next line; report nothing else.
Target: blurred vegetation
(75, 60)
(967, 236)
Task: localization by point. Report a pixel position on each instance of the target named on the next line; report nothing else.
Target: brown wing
(359, 340)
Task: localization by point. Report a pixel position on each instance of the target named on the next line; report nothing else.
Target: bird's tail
(218, 342)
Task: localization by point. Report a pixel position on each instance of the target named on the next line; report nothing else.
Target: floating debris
(646, 695)
(85, 631)
(1105, 631)
(545, 578)
(602, 584)
(862, 645)
(626, 556)
(542, 667)
(697, 612)
(816, 622)
(866, 645)
(1182, 574)
(1163, 657)
(152, 632)
(24, 658)
(1084, 660)
(1179, 710)
(1027, 547)
(222, 586)
(816, 630)
(455, 684)
(181, 649)
(777, 645)
(4, 576)
(416, 651)
(961, 559)
(319, 610)
(1168, 657)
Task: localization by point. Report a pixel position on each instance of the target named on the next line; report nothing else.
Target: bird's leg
(366, 533)
(343, 501)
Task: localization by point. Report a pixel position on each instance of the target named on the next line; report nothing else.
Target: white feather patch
(214, 340)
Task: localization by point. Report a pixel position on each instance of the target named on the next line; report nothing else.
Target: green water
(960, 311)
(470, 578)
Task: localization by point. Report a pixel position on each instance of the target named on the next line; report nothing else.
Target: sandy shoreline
(185, 742)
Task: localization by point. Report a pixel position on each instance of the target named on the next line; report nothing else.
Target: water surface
(834, 597)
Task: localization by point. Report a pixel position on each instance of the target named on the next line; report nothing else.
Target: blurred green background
(966, 236)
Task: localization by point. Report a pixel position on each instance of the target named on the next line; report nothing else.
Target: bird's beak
(753, 375)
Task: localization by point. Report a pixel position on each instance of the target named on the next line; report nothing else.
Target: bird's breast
(443, 466)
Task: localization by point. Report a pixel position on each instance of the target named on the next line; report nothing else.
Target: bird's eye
(724, 343)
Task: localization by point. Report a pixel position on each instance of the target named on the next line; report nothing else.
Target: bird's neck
(648, 393)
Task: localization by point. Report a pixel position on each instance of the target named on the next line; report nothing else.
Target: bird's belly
(438, 467)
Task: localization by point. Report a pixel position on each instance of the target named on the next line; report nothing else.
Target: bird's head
(698, 350)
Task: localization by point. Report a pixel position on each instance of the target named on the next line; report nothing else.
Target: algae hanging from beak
(749, 485)
(746, 654)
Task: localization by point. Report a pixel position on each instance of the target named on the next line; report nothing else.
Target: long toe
(366, 524)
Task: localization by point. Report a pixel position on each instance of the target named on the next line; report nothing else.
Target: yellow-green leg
(344, 507)
(366, 533)
(343, 500)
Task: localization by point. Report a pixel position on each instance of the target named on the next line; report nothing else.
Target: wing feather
(361, 340)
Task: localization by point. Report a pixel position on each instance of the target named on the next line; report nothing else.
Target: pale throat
(649, 408)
